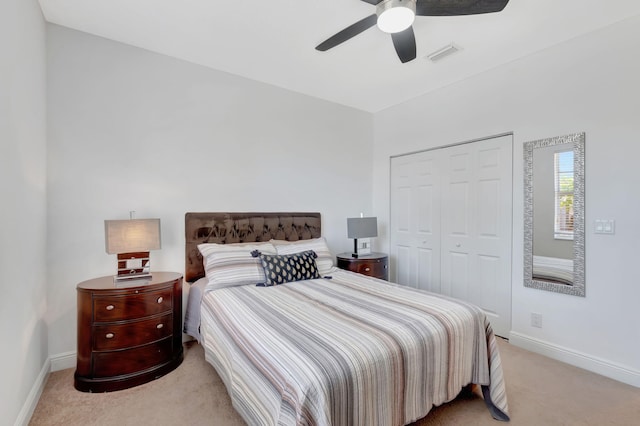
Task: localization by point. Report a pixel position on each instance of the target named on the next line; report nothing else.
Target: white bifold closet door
(451, 224)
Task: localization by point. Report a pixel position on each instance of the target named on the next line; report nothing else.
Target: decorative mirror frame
(578, 287)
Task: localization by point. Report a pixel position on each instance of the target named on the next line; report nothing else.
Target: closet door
(476, 227)
(415, 220)
(451, 224)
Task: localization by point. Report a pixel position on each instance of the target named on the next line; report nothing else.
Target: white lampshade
(396, 15)
(130, 236)
(362, 227)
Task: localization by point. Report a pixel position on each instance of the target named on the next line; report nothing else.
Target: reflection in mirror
(554, 214)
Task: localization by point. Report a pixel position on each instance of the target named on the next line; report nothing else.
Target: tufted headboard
(225, 228)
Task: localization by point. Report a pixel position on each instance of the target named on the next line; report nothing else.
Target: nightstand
(374, 264)
(129, 332)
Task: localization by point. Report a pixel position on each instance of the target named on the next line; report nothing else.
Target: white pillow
(227, 265)
(319, 245)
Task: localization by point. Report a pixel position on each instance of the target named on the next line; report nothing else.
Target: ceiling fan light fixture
(395, 15)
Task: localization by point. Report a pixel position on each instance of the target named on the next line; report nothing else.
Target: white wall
(23, 331)
(587, 84)
(134, 130)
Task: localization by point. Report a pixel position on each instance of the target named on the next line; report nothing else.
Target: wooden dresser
(129, 333)
(374, 264)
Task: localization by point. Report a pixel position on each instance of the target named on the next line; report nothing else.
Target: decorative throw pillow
(227, 265)
(280, 269)
(324, 261)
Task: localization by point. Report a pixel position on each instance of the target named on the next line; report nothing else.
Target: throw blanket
(351, 350)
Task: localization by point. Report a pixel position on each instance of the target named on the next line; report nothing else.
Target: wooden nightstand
(374, 264)
(129, 333)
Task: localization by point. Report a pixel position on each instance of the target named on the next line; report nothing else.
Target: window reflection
(563, 223)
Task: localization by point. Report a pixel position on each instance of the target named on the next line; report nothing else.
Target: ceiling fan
(397, 16)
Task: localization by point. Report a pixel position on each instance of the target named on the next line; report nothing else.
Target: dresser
(129, 332)
(373, 264)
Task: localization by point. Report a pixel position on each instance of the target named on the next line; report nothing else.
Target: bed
(553, 269)
(335, 348)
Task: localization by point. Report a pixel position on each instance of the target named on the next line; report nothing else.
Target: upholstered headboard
(225, 228)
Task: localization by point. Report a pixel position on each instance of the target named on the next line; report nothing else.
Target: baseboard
(588, 362)
(63, 361)
(30, 404)
(53, 363)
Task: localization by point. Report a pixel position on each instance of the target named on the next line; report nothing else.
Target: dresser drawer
(136, 333)
(118, 308)
(119, 363)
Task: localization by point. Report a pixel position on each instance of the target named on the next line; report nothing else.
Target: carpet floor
(541, 391)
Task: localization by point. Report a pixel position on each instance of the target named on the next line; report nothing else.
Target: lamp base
(355, 248)
(131, 277)
(133, 266)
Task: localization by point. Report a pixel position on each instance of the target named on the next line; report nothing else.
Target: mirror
(554, 214)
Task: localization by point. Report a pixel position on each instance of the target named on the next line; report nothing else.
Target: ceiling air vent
(443, 52)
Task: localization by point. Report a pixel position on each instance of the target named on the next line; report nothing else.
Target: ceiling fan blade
(458, 7)
(405, 44)
(347, 33)
(373, 2)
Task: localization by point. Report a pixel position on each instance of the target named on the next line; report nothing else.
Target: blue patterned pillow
(280, 269)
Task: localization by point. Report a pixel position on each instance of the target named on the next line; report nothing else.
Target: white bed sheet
(192, 315)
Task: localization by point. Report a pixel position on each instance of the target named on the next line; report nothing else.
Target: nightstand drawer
(119, 363)
(118, 308)
(373, 269)
(120, 336)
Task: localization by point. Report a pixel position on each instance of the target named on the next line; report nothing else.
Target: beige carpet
(541, 391)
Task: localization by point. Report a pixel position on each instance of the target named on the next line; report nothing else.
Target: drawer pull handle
(159, 326)
(367, 269)
(160, 299)
(110, 307)
(109, 335)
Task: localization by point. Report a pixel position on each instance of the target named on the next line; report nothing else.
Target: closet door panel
(403, 265)
(425, 278)
(400, 226)
(415, 221)
(489, 277)
(483, 232)
(457, 271)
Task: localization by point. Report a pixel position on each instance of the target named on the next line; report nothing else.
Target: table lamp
(361, 227)
(132, 240)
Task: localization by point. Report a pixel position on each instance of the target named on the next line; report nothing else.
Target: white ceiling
(274, 41)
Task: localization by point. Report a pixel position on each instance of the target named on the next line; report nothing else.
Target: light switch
(604, 226)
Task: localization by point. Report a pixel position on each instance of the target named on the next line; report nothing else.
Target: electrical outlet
(536, 320)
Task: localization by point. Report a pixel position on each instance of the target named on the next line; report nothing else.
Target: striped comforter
(351, 350)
